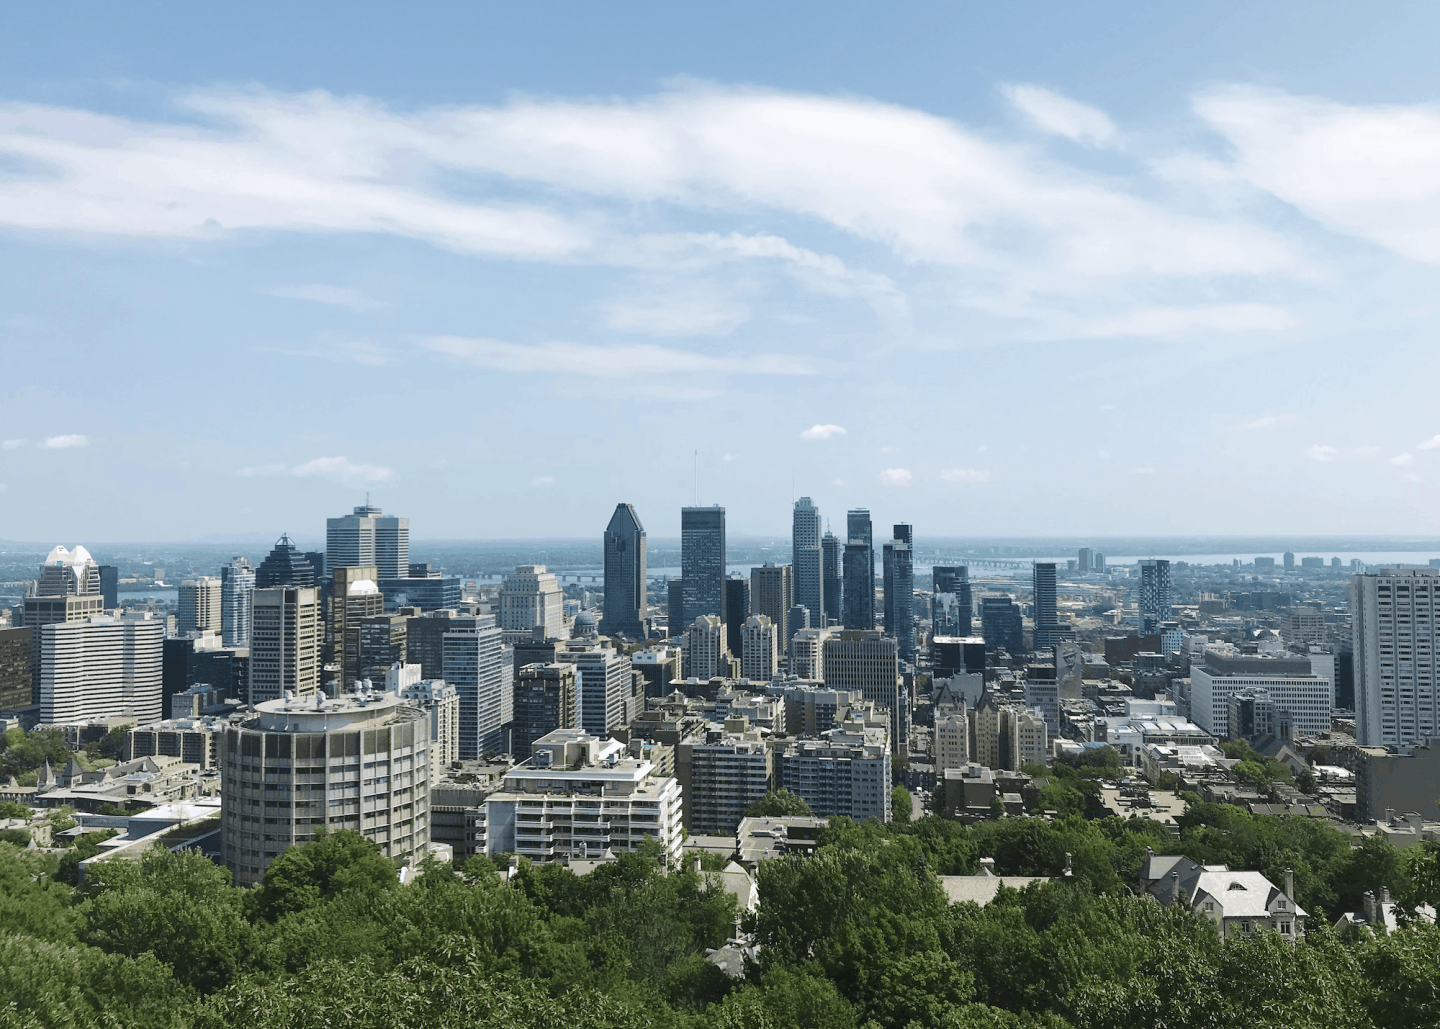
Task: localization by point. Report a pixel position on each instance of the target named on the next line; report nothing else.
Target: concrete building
(1049, 630)
(1155, 595)
(952, 739)
(480, 667)
(441, 704)
(533, 597)
(760, 653)
(1305, 626)
(285, 638)
(104, 667)
(702, 561)
(660, 666)
(1288, 680)
(368, 537)
(68, 573)
(726, 776)
(1395, 626)
(1406, 780)
(846, 771)
(996, 732)
(68, 590)
(199, 606)
(579, 797)
(605, 690)
(358, 762)
(808, 560)
(807, 653)
(237, 586)
(869, 661)
(811, 710)
(1002, 625)
(377, 642)
(626, 612)
(899, 570)
(195, 741)
(705, 652)
(1033, 737)
(354, 596)
(544, 702)
(772, 594)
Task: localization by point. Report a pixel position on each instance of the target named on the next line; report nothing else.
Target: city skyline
(1126, 273)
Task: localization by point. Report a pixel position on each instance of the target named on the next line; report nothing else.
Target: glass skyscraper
(859, 571)
(625, 608)
(702, 561)
(808, 561)
(900, 589)
(832, 553)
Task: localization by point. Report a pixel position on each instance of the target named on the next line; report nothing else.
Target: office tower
(286, 634)
(353, 596)
(198, 609)
(1289, 561)
(14, 668)
(808, 560)
(237, 583)
(1049, 629)
(737, 609)
(424, 588)
(378, 643)
(1154, 595)
(1099, 562)
(705, 649)
(807, 653)
(626, 613)
(760, 649)
(533, 598)
(1395, 637)
(369, 537)
(68, 590)
(832, 554)
(480, 668)
(899, 569)
(1289, 679)
(425, 638)
(1085, 562)
(1002, 625)
(110, 586)
(286, 566)
(603, 685)
(335, 747)
(951, 603)
(859, 598)
(675, 606)
(869, 661)
(799, 619)
(702, 560)
(544, 702)
(772, 593)
(103, 667)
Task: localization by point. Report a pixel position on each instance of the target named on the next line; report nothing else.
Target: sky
(1037, 268)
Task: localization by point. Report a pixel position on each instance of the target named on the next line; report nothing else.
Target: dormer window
(1236, 886)
(1280, 905)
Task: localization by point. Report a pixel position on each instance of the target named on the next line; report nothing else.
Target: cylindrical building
(358, 761)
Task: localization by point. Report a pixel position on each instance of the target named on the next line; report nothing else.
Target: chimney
(697, 864)
(1384, 899)
(514, 868)
(1368, 907)
(1290, 884)
(1389, 814)
(1174, 887)
(987, 866)
(1068, 870)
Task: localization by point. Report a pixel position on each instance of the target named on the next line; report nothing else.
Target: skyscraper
(353, 596)
(808, 560)
(702, 561)
(110, 586)
(68, 591)
(237, 584)
(198, 607)
(772, 592)
(760, 650)
(369, 537)
(1048, 627)
(832, 556)
(286, 566)
(286, 633)
(951, 604)
(859, 571)
(1002, 625)
(103, 667)
(737, 609)
(1154, 595)
(532, 598)
(626, 613)
(1395, 635)
(544, 702)
(675, 606)
(481, 669)
(1086, 560)
(899, 569)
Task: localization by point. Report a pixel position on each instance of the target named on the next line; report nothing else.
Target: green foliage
(343, 862)
(86, 847)
(24, 752)
(901, 804)
(778, 804)
(110, 746)
(13, 809)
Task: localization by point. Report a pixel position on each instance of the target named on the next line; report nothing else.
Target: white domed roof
(58, 556)
(69, 558)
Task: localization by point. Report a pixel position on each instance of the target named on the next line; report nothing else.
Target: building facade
(899, 570)
(103, 667)
(626, 612)
(237, 584)
(533, 597)
(1395, 634)
(702, 561)
(950, 606)
(760, 650)
(772, 594)
(198, 608)
(846, 771)
(807, 559)
(705, 651)
(480, 667)
(1288, 680)
(832, 557)
(286, 634)
(869, 661)
(544, 702)
(859, 571)
(1155, 595)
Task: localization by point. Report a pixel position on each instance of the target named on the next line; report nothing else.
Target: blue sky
(1030, 268)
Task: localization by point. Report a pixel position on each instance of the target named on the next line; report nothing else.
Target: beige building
(807, 653)
(759, 649)
(354, 596)
(869, 661)
(772, 594)
(705, 648)
(198, 608)
(533, 597)
(285, 637)
(952, 740)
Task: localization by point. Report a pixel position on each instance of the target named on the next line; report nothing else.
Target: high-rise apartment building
(1395, 632)
(626, 613)
(544, 702)
(760, 649)
(285, 565)
(808, 560)
(369, 537)
(604, 691)
(951, 610)
(702, 561)
(199, 606)
(103, 667)
(807, 653)
(869, 661)
(832, 556)
(1154, 595)
(286, 635)
(844, 772)
(237, 583)
(1085, 561)
(899, 569)
(726, 776)
(772, 594)
(1049, 630)
(531, 598)
(737, 610)
(481, 668)
(705, 652)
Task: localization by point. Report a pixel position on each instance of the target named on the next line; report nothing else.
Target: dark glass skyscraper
(859, 571)
(702, 561)
(832, 556)
(625, 610)
(900, 590)
(1002, 625)
(1047, 627)
(951, 606)
(1154, 595)
(286, 566)
(808, 562)
(737, 609)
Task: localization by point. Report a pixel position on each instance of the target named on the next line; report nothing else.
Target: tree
(332, 864)
(901, 804)
(12, 809)
(778, 804)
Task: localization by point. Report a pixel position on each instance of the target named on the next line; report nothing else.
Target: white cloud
(839, 482)
(1429, 444)
(965, 475)
(12, 444)
(332, 348)
(1411, 477)
(728, 457)
(1324, 452)
(65, 442)
(1187, 321)
(818, 432)
(335, 296)
(896, 476)
(1140, 470)
(609, 362)
(3, 487)
(333, 469)
(685, 313)
(543, 480)
(1062, 116)
(1269, 421)
(1403, 459)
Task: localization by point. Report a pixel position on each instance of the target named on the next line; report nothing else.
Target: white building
(237, 587)
(441, 702)
(807, 653)
(1395, 625)
(705, 648)
(199, 605)
(952, 740)
(1236, 903)
(844, 772)
(1288, 679)
(579, 796)
(759, 649)
(604, 689)
(1034, 738)
(285, 637)
(533, 597)
(104, 667)
(482, 670)
(368, 537)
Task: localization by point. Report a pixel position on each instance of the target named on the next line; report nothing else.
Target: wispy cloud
(1062, 116)
(1403, 459)
(335, 296)
(609, 362)
(686, 313)
(13, 444)
(1167, 322)
(819, 432)
(1269, 421)
(1430, 444)
(333, 469)
(543, 480)
(65, 442)
(896, 476)
(1325, 453)
(965, 475)
(333, 348)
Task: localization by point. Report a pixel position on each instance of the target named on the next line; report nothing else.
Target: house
(1379, 913)
(1234, 902)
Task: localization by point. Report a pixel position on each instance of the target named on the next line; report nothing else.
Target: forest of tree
(859, 935)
